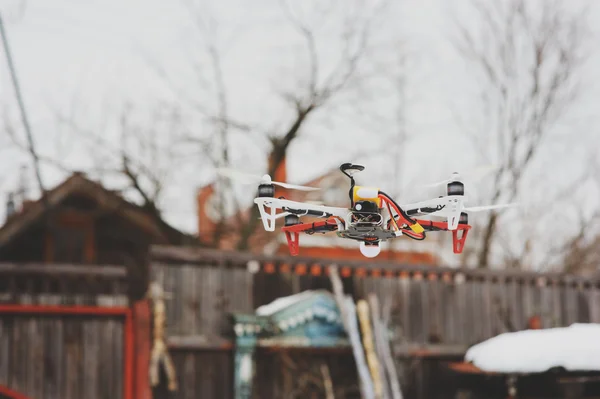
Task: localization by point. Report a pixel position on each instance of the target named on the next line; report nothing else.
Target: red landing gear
(459, 236)
(293, 228)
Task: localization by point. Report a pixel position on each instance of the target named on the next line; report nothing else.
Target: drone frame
(399, 220)
(336, 219)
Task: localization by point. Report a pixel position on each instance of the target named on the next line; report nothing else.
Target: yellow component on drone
(417, 228)
(366, 194)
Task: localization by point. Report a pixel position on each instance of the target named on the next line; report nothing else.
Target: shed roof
(106, 200)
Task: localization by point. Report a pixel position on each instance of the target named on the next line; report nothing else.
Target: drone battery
(370, 194)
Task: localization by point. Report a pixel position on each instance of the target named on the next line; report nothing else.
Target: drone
(373, 216)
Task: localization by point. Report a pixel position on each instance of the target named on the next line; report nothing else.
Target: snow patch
(575, 348)
(286, 301)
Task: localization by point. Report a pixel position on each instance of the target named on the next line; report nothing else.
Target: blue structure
(307, 319)
(247, 329)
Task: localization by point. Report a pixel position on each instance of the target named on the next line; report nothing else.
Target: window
(71, 239)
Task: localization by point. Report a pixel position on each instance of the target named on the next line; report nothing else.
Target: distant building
(335, 188)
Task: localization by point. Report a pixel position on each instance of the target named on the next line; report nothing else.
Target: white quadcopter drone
(373, 216)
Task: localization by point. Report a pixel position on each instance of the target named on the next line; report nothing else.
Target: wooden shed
(80, 222)
(73, 274)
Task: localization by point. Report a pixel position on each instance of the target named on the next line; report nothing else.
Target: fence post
(141, 331)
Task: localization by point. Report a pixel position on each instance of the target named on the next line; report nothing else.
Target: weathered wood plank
(428, 309)
(91, 354)
(213, 315)
(53, 385)
(176, 304)
(188, 309)
(404, 286)
(512, 316)
(546, 305)
(190, 373)
(477, 317)
(469, 310)
(460, 308)
(62, 270)
(556, 305)
(61, 357)
(203, 257)
(37, 357)
(429, 350)
(436, 318)
(499, 307)
(455, 306)
(450, 318)
(594, 299)
(199, 342)
(19, 343)
(583, 305)
(527, 306)
(571, 305)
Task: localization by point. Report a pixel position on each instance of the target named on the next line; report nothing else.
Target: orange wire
(406, 231)
(391, 214)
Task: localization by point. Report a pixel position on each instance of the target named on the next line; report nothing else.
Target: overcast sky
(86, 59)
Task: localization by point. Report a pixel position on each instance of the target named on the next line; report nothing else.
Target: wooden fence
(59, 284)
(63, 354)
(65, 331)
(435, 311)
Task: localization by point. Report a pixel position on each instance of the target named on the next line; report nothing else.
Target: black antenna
(355, 168)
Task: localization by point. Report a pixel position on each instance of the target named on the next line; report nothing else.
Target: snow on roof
(286, 301)
(575, 348)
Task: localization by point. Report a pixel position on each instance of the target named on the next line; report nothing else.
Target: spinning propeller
(455, 205)
(455, 176)
(247, 178)
(487, 207)
(475, 174)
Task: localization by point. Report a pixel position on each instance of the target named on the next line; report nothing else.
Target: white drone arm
(269, 216)
(450, 207)
(436, 206)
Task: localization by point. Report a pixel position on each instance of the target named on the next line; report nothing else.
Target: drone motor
(291, 220)
(456, 188)
(266, 190)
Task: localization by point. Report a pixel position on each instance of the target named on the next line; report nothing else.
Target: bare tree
(318, 91)
(314, 84)
(24, 117)
(220, 122)
(332, 48)
(140, 155)
(581, 253)
(527, 58)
